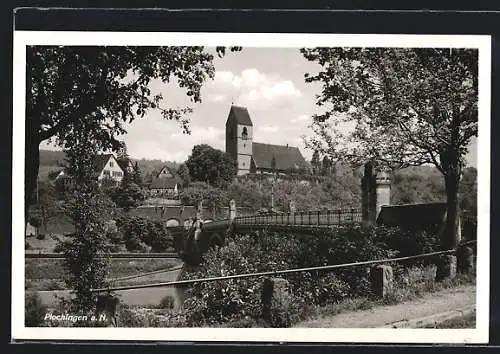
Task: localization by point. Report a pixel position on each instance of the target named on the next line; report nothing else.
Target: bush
(27, 245)
(140, 233)
(40, 236)
(34, 312)
(167, 302)
(230, 301)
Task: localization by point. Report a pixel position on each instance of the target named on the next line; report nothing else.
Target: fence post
(328, 216)
(232, 209)
(318, 217)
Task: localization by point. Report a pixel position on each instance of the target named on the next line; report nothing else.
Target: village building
(106, 167)
(254, 157)
(166, 184)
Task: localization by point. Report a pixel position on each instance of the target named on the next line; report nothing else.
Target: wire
(146, 274)
(287, 271)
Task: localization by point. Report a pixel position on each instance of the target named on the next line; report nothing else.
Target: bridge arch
(173, 222)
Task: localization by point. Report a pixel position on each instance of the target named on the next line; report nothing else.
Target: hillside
(51, 160)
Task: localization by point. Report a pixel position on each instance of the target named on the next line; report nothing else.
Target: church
(253, 157)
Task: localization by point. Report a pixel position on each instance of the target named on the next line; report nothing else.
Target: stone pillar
(232, 209)
(381, 277)
(368, 195)
(465, 260)
(199, 210)
(383, 191)
(275, 297)
(446, 268)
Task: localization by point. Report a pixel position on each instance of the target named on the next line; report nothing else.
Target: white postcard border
(478, 335)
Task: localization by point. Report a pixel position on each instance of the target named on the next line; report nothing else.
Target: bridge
(195, 240)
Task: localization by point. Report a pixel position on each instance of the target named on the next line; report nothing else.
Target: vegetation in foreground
(468, 321)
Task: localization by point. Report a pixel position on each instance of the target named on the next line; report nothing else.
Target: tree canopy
(101, 88)
(398, 107)
(210, 165)
(408, 106)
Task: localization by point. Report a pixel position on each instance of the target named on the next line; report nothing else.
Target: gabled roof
(101, 161)
(422, 216)
(240, 115)
(163, 183)
(287, 157)
(169, 170)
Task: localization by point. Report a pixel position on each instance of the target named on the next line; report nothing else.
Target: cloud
(217, 98)
(301, 118)
(252, 85)
(269, 128)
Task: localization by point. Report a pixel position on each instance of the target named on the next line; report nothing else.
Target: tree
(100, 89)
(85, 252)
(315, 162)
(137, 175)
(211, 197)
(128, 195)
(410, 106)
(326, 166)
(273, 164)
(210, 165)
(183, 173)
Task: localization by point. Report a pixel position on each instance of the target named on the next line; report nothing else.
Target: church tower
(239, 138)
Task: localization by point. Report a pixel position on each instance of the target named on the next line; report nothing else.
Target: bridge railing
(307, 218)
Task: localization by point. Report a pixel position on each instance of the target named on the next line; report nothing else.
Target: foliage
(167, 302)
(315, 162)
(35, 311)
(183, 172)
(410, 106)
(89, 210)
(128, 195)
(101, 88)
(211, 165)
(239, 300)
(140, 233)
(211, 197)
(35, 221)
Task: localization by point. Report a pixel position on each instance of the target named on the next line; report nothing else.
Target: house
(166, 184)
(105, 167)
(253, 157)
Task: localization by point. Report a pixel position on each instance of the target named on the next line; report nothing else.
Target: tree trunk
(32, 162)
(449, 239)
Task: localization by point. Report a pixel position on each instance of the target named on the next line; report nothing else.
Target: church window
(244, 134)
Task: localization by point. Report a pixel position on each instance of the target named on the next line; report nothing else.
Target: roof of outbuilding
(240, 115)
(287, 157)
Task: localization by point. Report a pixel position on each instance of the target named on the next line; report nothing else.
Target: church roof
(287, 157)
(240, 115)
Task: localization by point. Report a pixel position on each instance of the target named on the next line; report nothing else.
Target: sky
(269, 82)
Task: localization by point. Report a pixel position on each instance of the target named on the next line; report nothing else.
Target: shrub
(167, 302)
(34, 312)
(27, 245)
(40, 236)
(231, 301)
(139, 232)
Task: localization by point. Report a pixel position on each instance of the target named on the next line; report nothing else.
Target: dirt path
(430, 304)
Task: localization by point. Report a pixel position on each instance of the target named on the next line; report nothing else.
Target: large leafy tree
(399, 107)
(100, 89)
(210, 165)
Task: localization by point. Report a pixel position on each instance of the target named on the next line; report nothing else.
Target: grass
(45, 274)
(468, 321)
(410, 285)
